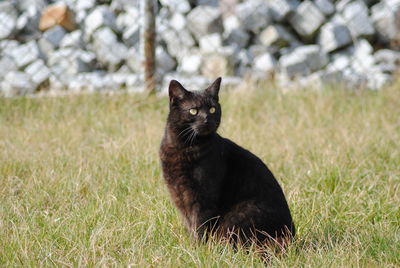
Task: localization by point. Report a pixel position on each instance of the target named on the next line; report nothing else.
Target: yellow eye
(212, 110)
(193, 111)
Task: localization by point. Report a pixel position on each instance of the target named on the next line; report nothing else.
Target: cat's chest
(197, 165)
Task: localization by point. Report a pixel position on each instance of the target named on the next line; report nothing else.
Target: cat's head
(194, 112)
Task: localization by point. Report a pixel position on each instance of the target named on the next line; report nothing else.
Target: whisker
(189, 136)
(193, 137)
(185, 131)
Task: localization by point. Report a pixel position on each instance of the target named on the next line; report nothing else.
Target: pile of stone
(94, 45)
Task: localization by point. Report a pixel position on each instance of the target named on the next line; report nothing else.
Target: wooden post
(148, 43)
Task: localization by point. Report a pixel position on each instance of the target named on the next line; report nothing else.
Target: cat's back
(242, 160)
(249, 175)
(250, 185)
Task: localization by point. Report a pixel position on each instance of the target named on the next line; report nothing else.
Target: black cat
(220, 188)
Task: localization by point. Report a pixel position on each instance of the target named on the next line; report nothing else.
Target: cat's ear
(176, 91)
(214, 88)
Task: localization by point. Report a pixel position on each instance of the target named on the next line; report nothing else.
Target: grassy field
(80, 180)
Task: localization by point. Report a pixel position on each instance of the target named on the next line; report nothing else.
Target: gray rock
(285, 50)
(26, 4)
(385, 16)
(9, 7)
(178, 22)
(254, 15)
(332, 77)
(177, 42)
(101, 16)
(7, 46)
(362, 48)
(93, 82)
(230, 24)
(339, 62)
(25, 54)
(121, 78)
(17, 83)
(354, 79)
(356, 16)
(216, 65)
(282, 9)
(293, 65)
(276, 35)
(303, 60)
(38, 72)
(165, 63)
(127, 19)
(51, 39)
(59, 55)
(109, 51)
(118, 6)
(326, 6)
(370, 2)
(210, 43)
(387, 56)
(363, 61)
(232, 81)
(186, 38)
(8, 23)
(244, 63)
(59, 79)
(80, 17)
(134, 84)
(316, 59)
(86, 4)
(312, 81)
(256, 50)
(213, 3)
(124, 69)
(340, 73)
(73, 39)
(377, 80)
(191, 63)
(131, 82)
(28, 24)
(229, 51)
(112, 60)
(338, 18)
(204, 20)
(244, 57)
(265, 64)
(134, 60)
(334, 36)
(7, 65)
(238, 37)
(307, 19)
(131, 36)
(72, 61)
(191, 82)
(387, 68)
(163, 16)
(341, 4)
(180, 6)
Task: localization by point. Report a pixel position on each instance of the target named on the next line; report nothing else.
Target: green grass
(80, 180)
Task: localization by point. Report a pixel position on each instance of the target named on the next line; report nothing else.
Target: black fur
(219, 187)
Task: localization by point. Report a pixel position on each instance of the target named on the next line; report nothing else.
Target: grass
(80, 180)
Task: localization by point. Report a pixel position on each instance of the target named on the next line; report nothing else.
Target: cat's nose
(204, 118)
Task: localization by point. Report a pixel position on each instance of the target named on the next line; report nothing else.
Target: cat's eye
(212, 110)
(193, 111)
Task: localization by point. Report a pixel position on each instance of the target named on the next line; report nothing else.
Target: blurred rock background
(89, 45)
